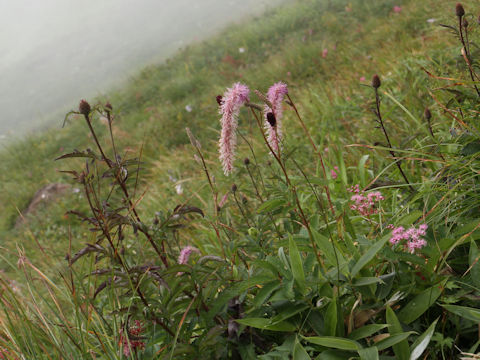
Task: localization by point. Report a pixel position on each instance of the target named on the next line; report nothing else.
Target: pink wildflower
(362, 78)
(127, 344)
(230, 105)
(275, 95)
(324, 53)
(185, 254)
(365, 204)
(397, 9)
(333, 174)
(412, 236)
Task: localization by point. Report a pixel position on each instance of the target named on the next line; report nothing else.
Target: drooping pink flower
(230, 105)
(397, 9)
(127, 345)
(324, 53)
(276, 93)
(412, 236)
(185, 254)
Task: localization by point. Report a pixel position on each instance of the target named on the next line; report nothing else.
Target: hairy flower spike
(230, 105)
(273, 123)
(459, 10)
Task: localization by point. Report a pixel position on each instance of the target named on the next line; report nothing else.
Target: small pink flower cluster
(185, 254)
(412, 236)
(365, 204)
(127, 344)
(276, 93)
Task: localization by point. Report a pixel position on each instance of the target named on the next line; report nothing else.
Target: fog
(54, 52)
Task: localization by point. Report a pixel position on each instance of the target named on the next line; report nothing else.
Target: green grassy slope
(362, 38)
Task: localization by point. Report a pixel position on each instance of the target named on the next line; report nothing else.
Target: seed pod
(459, 10)
(84, 108)
(376, 81)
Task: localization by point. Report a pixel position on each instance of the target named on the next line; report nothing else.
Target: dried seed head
(246, 161)
(465, 23)
(84, 107)
(271, 119)
(234, 187)
(219, 99)
(427, 114)
(108, 106)
(459, 10)
(376, 81)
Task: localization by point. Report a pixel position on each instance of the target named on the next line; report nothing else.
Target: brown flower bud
(459, 10)
(108, 106)
(376, 81)
(219, 99)
(271, 119)
(84, 108)
(246, 161)
(465, 23)
(234, 187)
(427, 114)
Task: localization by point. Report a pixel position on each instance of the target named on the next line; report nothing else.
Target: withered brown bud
(246, 161)
(244, 199)
(376, 81)
(108, 106)
(84, 108)
(465, 23)
(271, 119)
(427, 113)
(219, 99)
(459, 10)
(234, 187)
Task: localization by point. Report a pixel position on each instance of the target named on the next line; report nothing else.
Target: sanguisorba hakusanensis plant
(291, 260)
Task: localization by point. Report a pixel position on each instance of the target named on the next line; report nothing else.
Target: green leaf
(297, 265)
(270, 205)
(334, 342)
(392, 340)
(369, 280)
(327, 247)
(420, 303)
(299, 353)
(366, 331)
(422, 342)
(369, 353)
(471, 148)
(331, 318)
(265, 292)
(401, 350)
(361, 170)
(474, 263)
(369, 255)
(464, 311)
(266, 324)
(410, 218)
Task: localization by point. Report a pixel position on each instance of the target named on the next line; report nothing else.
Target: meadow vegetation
(339, 221)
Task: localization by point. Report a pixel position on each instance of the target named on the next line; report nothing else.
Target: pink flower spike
(232, 100)
(397, 9)
(324, 53)
(185, 254)
(333, 174)
(276, 93)
(362, 78)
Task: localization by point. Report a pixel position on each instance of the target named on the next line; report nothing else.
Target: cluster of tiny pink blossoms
(230, 105)
(412, 237)
(185, 254)
(365, 203)
(276, 93)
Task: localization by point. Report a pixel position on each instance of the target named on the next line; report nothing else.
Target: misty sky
(54, 52)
